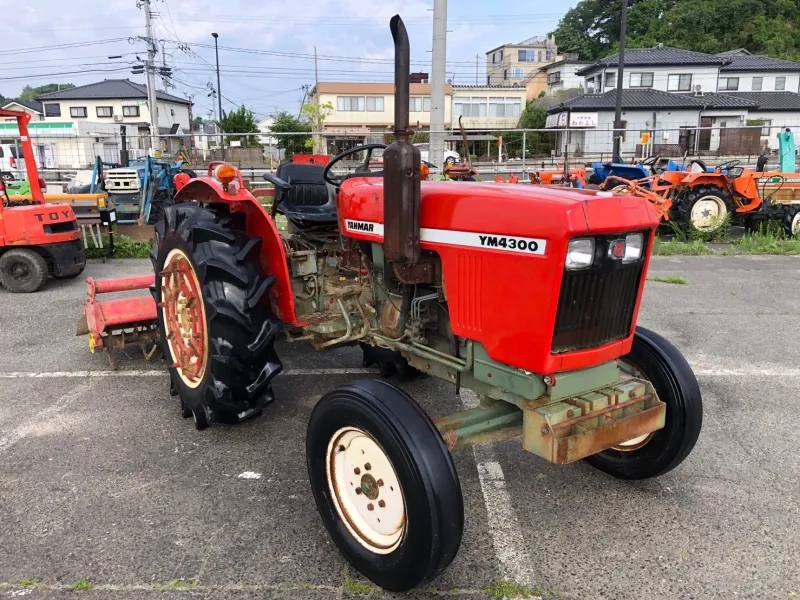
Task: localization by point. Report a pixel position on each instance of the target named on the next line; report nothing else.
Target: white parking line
(506, 534)
(161, 373)
(24, 429)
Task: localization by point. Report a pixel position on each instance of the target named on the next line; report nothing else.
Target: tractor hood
(37, 224)
(552, 213)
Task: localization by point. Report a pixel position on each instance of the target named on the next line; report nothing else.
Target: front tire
(22, 271)
(216, 327)
(704, 208)
(385, 484)
(790, 221)
(652, 357)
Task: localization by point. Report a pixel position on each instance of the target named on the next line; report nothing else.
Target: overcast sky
(267, 47)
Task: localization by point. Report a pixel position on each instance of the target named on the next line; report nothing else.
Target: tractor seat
(308, 198)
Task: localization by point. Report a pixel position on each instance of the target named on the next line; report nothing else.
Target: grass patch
(355, 586)
(29, 583)
(680, 248)
(765, 241)
(508, 589)
(178, 584)
(124, 247)
(82, 585)
(671, 279)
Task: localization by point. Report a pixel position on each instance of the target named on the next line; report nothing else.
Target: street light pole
(623, 30)
(219, 96)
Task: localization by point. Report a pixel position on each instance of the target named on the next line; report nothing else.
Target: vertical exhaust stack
(401, 165)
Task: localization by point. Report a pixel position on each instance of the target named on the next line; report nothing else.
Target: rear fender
(258, 224)
(698, 179)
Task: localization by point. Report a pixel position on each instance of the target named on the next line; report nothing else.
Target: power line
(59, 46)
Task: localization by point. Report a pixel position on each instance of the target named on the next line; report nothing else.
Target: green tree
(536, 142)
(591, 28)
(30, 93)
(315, 116)
(291, 144)
(240, 120)
(197, 123)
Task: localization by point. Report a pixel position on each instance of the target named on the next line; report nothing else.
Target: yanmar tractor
(526, 295)
(36, 239)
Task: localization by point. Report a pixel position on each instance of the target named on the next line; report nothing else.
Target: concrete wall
(704, 76)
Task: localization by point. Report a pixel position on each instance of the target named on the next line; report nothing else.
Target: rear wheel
(385, 484)
(790, 221)
(215, 323)
(705, 208)
(22, 271)
(655, 359)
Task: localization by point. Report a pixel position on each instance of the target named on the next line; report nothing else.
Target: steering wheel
(727, 165)
(649, 162)
(362, 168)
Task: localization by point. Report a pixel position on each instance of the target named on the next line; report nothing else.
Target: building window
(548, 55)
(494, 58)
(611, 80)
(52, 110)
(526, 55)
(505, 74)
(686, 138)
(679, 83)
(757, 83)
(105, 111)
(504, 107)
(730, 84)
(516, 73)
(501, 55)
(641, 80)
(350, 103)
(780, 83)
(419, 104)
(374, 103)
(130, 111)
(554, 78)
(488, 80)
(77, 111)
(470, 107)
(765, 126)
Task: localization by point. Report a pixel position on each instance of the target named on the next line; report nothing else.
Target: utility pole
(192, 147)
(164, 78)
(219, 96)
(438, 82)
(305, 87)
(623, 30)
(477, 63)
(155, 141)
(318, 124)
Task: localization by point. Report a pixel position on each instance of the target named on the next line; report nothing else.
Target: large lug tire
(385, 484)
(654, 358)
(22, 271)
(217, 330)
(790, 221)
(704, 208)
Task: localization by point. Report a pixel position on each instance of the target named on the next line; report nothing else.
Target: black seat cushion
(309, 198)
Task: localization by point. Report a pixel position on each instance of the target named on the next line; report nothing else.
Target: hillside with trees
(770, 27)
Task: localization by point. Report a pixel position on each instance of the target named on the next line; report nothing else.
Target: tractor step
(574, 428)
(119, 321)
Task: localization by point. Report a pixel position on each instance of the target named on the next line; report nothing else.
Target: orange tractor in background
(36, 239)
(706, 201)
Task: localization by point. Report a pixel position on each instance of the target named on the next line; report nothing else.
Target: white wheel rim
(184, 330)
(365, 490)
(708, 213)
(633, 443)
(796, 224)
(639, 441)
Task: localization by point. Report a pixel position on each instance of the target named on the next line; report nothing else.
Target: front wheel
(385, 484)
(791, 221)
(22, 271)
(655, 359)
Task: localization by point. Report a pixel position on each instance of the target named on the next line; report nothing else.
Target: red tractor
(526, 295)
(36, 239)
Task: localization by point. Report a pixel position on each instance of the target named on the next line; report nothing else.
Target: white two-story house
(684, 101)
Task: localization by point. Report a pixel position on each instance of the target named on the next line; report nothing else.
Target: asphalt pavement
(102, 480)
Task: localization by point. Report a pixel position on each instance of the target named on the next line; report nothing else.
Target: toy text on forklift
(527, 295)
(36, 239)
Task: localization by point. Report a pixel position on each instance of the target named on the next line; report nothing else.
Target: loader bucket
(122, 320)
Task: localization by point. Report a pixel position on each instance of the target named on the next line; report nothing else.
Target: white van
(12, 162)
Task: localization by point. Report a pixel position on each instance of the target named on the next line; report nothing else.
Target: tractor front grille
(596, 305)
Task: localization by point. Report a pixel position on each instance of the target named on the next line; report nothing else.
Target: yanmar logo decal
(488, 241)
(364, 227)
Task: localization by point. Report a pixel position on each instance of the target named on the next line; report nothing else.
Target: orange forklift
(36, 239)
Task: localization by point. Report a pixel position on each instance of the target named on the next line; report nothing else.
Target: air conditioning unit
(118, 118)
(698, 90)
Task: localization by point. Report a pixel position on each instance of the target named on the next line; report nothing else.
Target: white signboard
(560, 120)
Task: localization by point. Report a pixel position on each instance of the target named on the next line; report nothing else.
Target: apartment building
(516, 63)
(363, 113)
(488, 107)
